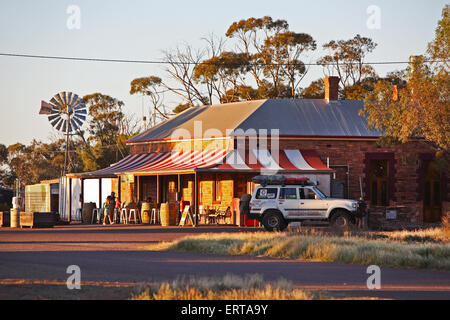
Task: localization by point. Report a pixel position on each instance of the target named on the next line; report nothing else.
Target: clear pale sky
(140, 30)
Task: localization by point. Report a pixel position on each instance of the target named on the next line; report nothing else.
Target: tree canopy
(423, 107)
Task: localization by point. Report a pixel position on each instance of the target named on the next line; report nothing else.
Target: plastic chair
(123, 216)
(154, 216)
(135, 214)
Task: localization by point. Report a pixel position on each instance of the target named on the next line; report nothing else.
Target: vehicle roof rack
(282, 180)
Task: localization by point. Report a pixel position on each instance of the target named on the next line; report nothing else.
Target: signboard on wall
(391, 214)
(127, 178)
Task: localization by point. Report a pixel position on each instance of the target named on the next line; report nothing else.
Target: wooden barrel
(146, 210)
(15, 218)
(168, 212)
(164, 213)
(86, 212)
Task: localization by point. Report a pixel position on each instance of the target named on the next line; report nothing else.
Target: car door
(311, 205)
(288, 202)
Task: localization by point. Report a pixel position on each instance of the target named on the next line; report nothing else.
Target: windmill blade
(79, 104)
(80, 107)
(81, 111)
(61, 121)
(55, 102)
(69, 98)
(78, 122)
(77, 101)
(55, 121)
(74, 124)
(74, 99)
(65, 97)
(59, 99)
(46, 108)
(77, 116)
(52, 117)
(64, 127)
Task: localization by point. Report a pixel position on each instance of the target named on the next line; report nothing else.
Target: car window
(267, 193)
(307, 194)
(288, 193)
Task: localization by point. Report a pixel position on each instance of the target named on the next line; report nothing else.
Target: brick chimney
(331, 88)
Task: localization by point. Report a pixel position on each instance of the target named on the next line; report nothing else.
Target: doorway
(379, 182)
(432, 193)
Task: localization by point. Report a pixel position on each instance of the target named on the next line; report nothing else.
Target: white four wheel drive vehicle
(279, 200)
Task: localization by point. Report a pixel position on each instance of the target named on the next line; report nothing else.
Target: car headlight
(354, 205)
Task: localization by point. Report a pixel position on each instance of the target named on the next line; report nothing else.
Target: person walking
(108, 210)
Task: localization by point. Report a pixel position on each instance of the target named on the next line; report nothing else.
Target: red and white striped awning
(214, 161)
(182, 161)
(264, 160)
(130, 162)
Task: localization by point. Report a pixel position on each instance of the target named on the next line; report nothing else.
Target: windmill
(66, 112)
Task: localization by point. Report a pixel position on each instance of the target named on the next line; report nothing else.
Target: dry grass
(422, 249)
(437, 235)
(230, 287)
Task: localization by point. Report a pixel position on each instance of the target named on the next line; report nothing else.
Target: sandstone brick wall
(342, 154)
(353, 153)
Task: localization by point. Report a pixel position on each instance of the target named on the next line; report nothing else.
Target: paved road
(95, 237)
(110, 254)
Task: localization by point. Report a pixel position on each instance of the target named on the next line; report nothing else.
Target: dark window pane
(437, 193)
(374, 196)
(302, 193)
(384, 197)
(288, 193)
(267, 193)
(427, 193)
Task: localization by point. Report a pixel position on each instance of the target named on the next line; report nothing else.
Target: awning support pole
(157, 189)
(195, 198)
(82, 192)
(69, 216)
(100, 192)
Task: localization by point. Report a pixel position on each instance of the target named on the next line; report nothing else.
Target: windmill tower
(66, 112)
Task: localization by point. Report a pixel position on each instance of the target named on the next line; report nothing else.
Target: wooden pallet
(38, 219)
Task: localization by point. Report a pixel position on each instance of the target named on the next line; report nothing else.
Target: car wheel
(341, 220)
(274, 221)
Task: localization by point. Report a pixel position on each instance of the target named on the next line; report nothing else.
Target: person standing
(112, 198)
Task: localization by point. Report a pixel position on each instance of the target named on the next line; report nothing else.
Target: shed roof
(292, 117)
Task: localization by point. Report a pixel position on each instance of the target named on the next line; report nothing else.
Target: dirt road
(113, 254)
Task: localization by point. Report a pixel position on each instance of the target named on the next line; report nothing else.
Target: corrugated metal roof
(310, 117)
(222, 117)
(292, 117)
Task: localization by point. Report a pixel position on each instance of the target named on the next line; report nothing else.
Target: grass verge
(425, 249)
(229, 287)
